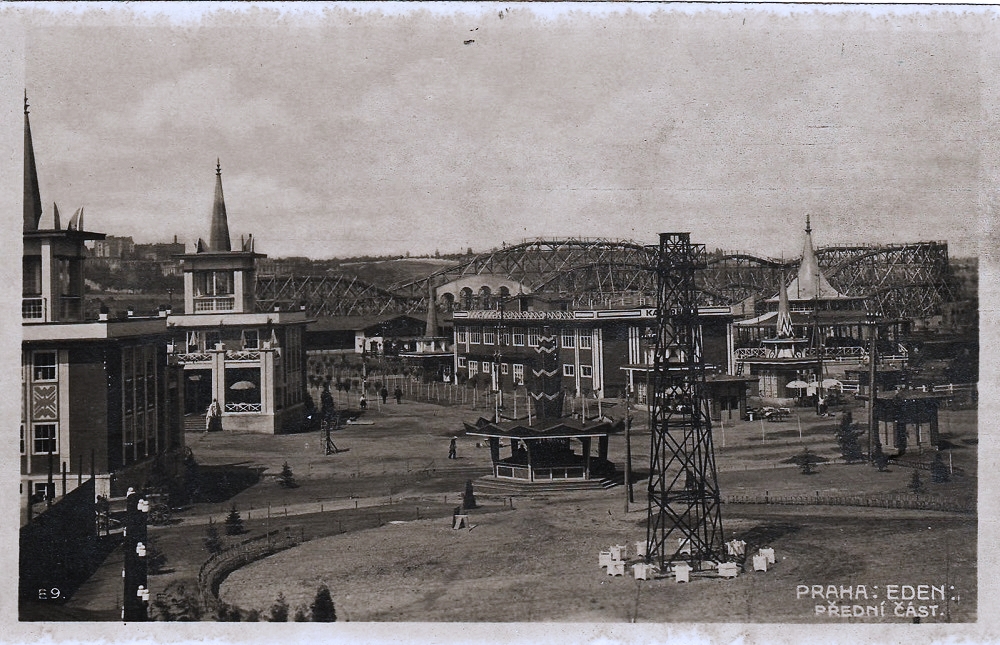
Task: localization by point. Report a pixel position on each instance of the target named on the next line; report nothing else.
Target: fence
(906, 501)
(216, 568)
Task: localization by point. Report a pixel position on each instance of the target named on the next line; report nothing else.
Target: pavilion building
(810, 331)
(97, 396)
(252, 363)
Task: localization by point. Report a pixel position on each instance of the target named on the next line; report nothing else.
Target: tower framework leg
(684, 520)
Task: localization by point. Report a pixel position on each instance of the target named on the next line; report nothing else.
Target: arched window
(485, 298)
(466, 298)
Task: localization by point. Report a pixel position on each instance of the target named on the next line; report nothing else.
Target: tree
(300, 614)
(322, 607)
(806, 461)
(939, 472)
(286, 479)
(848, 439)
(213, 543)
(177, 602)
(155, 559)
(469, 498)
(234, 522)
(279, 610)
(916, 485)
(253, 616)
(226, 613)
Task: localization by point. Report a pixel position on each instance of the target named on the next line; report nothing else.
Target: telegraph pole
(872, 358)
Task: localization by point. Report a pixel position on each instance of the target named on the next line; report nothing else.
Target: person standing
(213, 417)
(398, 393)
(384, 393)
(453, 448)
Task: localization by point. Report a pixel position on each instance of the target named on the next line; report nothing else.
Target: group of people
(384, 393)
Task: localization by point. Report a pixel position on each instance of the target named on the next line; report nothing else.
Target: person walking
(385, 394)
(453, 448)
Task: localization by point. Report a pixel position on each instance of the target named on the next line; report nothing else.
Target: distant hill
(384, 273)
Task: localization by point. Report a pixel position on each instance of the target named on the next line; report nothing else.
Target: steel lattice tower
(683, 490)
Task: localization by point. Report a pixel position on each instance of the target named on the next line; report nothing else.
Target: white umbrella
(797, 385)
(242, 385)
(832, 382)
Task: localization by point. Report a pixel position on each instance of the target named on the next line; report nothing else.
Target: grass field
(376, 518)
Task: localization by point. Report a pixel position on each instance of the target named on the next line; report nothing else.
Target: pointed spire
(74, 222)
(218, 237)
(784, 322)
(32, 197)
(811, 283)
(55, 216)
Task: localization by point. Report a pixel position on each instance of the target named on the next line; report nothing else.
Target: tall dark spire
(218, 237)
(32, 198)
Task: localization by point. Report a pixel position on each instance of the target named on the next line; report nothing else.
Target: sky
(359, 129)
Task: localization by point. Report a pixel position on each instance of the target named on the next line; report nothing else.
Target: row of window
(586, 371)
(203, 341)
(489, 335)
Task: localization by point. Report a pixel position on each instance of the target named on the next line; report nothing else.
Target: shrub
(234, 522)
(322, 607)
(848, 436)
(279, 610)
(213, 543)
(939, 471)
(300, 614)
(286, 479)
(916, 485)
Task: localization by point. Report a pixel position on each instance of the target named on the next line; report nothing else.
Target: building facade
(601, 352)
(252, 364)
(97, 396)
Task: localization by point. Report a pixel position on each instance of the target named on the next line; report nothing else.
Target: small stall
(545, 450)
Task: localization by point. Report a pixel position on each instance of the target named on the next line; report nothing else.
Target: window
(44, 366)
(461, 335)
(44, 490)
(569, 370)
(505, 337)
(568, 339)
(586, 371)
(487, 367)
(489, 336)
(519, 338)
(477, 336)
(44, 438)
(461, 361)
(585, 339)
(251, 340)
(532, 336)
(22, 438)
(473, 368)
(211, 339)
(518, 373)
(504, 368)
(213, 283)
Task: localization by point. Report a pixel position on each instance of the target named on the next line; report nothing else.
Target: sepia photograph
(500, 314)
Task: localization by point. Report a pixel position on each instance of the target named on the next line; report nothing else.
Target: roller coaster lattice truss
(905, 280)
(683, 491)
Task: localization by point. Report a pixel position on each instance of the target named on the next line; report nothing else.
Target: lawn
(377, 515)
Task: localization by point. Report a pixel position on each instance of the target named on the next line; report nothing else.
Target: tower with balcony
(97, 396)
(251, 363)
